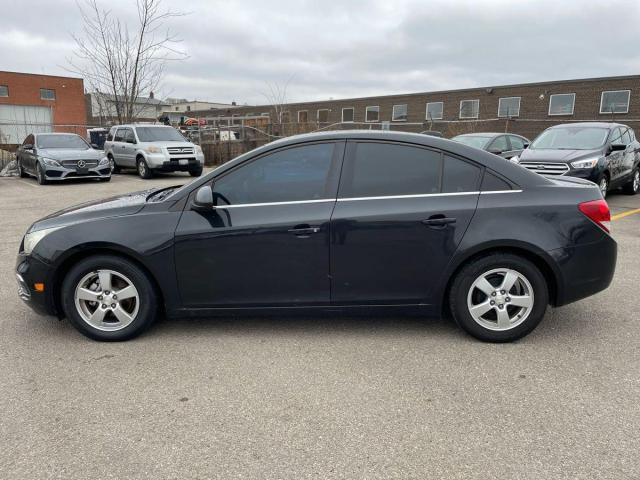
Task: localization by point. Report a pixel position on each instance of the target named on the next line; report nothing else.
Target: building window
(285, 116)
(47, 94)
(303, 116)
(614, 101)
(509, 107)
(188, 108)
(4, 91)
(469, 108)
(347, 115)
(435, 111)
(323, 115)
(562, 103)
(372, 114)
(399, 113)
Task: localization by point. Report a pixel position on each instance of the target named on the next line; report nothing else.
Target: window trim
(615, 91)
(318, 114)
(477, 100)
(573, 105)
(303, 111)
(426, 111)
(48, 90)
(7, 89)
(366, 111)
(509, 98)
(393, 112)
(353, 110)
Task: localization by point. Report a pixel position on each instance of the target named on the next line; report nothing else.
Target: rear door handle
(438, 221)
(303, 230)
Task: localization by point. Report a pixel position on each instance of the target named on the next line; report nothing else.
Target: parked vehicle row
(336, 220)
(507, 145)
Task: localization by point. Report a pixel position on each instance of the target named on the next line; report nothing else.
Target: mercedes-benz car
(338, 221)
(52, 157)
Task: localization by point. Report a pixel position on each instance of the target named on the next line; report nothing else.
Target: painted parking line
(618, 216)
(32, 185)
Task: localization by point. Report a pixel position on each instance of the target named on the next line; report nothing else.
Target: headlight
(50, 161)
(153, 149)
(103, 161)
(586, 163)
(32, 239)
(198, 149)
(515, 159)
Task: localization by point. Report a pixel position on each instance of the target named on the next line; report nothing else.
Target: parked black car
(61, 156)
(507, 145)
(335, 220)
(605, 153)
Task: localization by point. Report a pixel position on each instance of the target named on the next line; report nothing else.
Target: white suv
(150, 148)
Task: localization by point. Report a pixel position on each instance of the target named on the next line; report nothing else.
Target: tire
(140, 308)
(196, 172)
(108, 179)
(633, 186)
(143, 169)
(23, 174)
(515, 321)
(40, 175)
(603, 185)
(112, 163)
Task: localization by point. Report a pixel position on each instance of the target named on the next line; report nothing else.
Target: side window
(120, 135)
(385, 169)
(111, 134)
(459, 176)
(632, 135)
(517, 143)
(493, 183)
(129, 136)
(616, 136)
(626, 136)
(500, 143)
(29, 140)
(294, 174)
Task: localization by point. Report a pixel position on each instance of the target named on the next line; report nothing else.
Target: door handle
(438, 221)
(303, 230)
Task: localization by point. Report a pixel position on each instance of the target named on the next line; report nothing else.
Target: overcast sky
(353, 48)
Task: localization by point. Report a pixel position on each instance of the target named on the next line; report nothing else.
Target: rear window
(493, 183)
(159, 134)
(459, 176)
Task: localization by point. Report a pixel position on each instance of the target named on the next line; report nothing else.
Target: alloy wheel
(107, 300)
(112, 164)
(500, 299)
(603, 185)
(142, 169)
(636, 181)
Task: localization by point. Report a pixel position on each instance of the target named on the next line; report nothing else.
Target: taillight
(598, 212)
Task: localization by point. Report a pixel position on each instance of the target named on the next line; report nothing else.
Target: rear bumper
(584, 270)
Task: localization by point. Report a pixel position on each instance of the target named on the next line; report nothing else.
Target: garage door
(18, 121)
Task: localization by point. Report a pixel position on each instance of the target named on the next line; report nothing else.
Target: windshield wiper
(165, 192)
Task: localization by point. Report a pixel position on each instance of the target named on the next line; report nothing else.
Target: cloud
(344, 49)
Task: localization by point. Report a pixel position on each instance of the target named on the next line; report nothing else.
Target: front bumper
(168, 163)
(53, 173)
(29, 271)
(591, 174)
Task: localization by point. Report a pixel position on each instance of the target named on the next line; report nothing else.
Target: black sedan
(336, 220)
(507, 145)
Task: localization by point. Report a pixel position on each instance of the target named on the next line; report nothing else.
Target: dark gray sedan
(61, 156)
(506, 145)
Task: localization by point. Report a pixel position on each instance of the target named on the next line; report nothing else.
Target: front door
(266, 243)
(401, 213)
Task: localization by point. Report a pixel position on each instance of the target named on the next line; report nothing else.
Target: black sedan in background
(605, 153)
(61, 156)
(507, 145)
(336, 220)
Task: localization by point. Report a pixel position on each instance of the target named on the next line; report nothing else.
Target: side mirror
(495, 151)
(617, 147)
(526, 145)
(203, 200)
(95, 146)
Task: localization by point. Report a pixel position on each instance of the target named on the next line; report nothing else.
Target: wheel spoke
(509, 280)
(88, 295)
(480, 309)
(503, 318)
(521, 301)
(122, 315)
(105, 280)
(97, 316)
(127, 292)
(485, 287)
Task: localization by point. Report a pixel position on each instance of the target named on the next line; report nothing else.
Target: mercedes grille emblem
(81, 164)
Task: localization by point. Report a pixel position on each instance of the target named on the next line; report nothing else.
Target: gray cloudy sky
(353, 48)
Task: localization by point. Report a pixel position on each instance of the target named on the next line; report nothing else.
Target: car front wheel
(499, 298)
(40, 176)
(143, 169)
(108, 298)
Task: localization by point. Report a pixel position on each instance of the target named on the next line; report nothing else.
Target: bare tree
(276, 96)
(120, 61)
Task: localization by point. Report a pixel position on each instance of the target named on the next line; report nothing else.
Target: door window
(616, 136)
(294, 174)
(120, 135)
(379, 169)
(500, 143)
(459, 176)
(129, 137)
(517, 143)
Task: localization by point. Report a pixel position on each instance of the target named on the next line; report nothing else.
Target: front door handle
(438, 221)
(304, 230)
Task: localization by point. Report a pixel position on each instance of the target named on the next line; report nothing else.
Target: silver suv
(150, 148)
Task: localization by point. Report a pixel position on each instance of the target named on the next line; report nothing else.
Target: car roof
(56, 133)
(608, 125)
(481, 134)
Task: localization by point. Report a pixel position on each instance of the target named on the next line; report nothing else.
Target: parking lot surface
(317, 397)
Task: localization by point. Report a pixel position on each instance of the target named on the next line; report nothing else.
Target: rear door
(119, 146)
(129, 148)
(615, 159)
(401, 212)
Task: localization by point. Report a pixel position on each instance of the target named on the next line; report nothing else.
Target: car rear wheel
(143, 169)
(499, 298)
(108, 298)
(40, 177)
(633, 186)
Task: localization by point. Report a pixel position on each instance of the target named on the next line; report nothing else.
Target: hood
(70, 153)
(127, 204)
(560, 156)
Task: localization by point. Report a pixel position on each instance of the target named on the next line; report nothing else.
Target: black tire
(462, 285)
(143, 169)
(196, 172)
(633, 186)
(148, 299)
(40, 175)
(21, 171)
(112, 163)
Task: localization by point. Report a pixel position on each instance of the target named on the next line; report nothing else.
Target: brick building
(39, 103)
(526, 109)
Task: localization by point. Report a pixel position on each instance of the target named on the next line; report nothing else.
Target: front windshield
(472, 140)
(159, 134)
(570, 138)
(74, 142)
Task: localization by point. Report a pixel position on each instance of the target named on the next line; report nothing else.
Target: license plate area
(183, 161)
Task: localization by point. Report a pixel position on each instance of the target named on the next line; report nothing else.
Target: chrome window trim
(269, 204)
